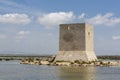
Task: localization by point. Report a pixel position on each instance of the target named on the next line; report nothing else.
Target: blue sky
(32, 26)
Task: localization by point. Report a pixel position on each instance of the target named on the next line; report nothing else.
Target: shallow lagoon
(12, 70)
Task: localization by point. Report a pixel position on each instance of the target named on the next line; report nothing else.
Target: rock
(97, 63)
(44, 62)
(37, 62)
(114, 63)
(31, 62)
(92, 64)
(24, 62)
(75, 64)
(63, 63)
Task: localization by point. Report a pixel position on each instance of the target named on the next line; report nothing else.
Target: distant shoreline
(20, 57)
(49, 60)
(109, 57)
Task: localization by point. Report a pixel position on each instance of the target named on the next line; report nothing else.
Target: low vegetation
(0, 59)
(109, 57)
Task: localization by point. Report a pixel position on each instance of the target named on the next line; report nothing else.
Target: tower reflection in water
(76, 73)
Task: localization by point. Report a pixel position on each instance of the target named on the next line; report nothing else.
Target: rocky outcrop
(68, 63)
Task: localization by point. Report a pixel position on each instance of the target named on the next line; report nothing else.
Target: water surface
(12, 70)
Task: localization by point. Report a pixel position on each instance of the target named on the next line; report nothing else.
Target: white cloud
(3, 36)
(22, 34)
(14, 18)
(116, 37)
(108, 20)
(13, 6)
(82, 16)
(56, 18)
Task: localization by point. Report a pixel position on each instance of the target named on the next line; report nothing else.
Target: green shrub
(60, 61)
(72, 62)
(77, 61)
(0, 59)
(101, 62)
(30, 59)
(37, 59)
(83, 62)
(7, 59)
(108, 62)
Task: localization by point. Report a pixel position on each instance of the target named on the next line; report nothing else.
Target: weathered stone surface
(44, 62)
(75, 55)
(63, 63)
(76, 43)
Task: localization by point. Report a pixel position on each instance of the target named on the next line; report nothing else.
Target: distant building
(76, 43)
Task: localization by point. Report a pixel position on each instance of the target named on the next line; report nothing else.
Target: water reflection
(12, 70)
(77, 73)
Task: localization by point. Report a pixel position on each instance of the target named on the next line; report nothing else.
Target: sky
(32, 26)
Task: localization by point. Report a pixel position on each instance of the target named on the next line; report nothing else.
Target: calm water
(12, 70)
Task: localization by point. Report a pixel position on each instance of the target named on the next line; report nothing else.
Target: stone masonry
(76, 43)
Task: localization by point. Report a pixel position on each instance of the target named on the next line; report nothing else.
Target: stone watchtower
(76, 43)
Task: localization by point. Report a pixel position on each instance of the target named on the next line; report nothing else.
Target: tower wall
(72, 37)
(76, 43)
(89, 38)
